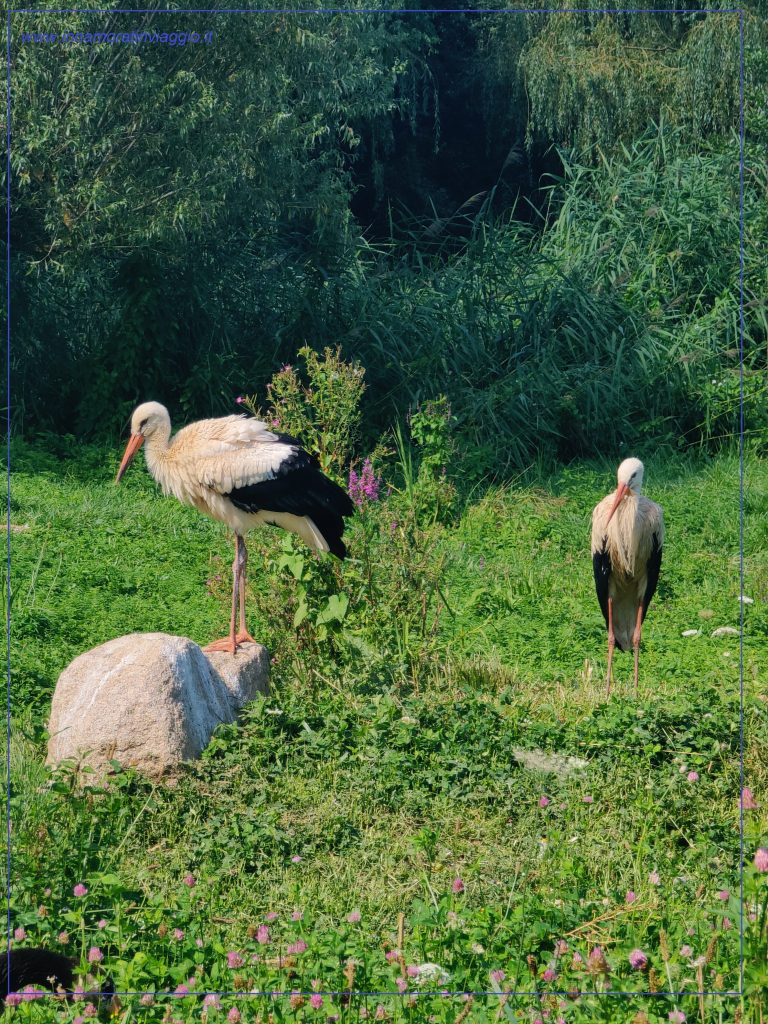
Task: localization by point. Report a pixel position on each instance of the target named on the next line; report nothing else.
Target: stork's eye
(142, 425)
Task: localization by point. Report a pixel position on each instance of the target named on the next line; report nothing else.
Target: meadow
(379, 811)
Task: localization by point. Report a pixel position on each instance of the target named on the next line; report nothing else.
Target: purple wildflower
(364, 487)
(233, 1016)
(402, 984)
(549, 974)
(458, 885)
(630, 897)
(587, 799)
(761, 859)
(13, 999)
(95, 955)
(654, 878)
(181, 990)
(354, 917)
(272, 915)
(686, 951)
(677, 1016)
(80, 889)
(262, 935)
(544, 801)
(239, 400)
(190, 880)
(20, 934)
(147, 999)
(638, 961)
(234, 960)
(178, 934)
(297, 947)
(297, 915)
(63, 938)
(498, 976)
(296, 859)
(748, 801)
(315, 1000)
(692, 777)
(213, 1000)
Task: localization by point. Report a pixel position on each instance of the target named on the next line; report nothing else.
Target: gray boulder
(149, 701)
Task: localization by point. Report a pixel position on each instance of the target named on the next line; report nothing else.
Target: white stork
(236, 470)
(627, 541)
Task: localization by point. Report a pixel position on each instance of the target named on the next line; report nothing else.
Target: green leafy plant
(325, 413)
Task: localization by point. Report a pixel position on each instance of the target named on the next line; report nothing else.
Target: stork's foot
(244, 637)
(229, 643)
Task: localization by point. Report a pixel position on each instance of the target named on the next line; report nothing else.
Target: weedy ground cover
(372, 816)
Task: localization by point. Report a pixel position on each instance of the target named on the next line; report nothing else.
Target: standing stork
(627, 541)
(236, 470)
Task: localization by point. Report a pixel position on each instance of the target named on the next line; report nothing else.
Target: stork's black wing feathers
(34, 967)
(300, 488)
(652, 572)
(601, 566)
(296, 443)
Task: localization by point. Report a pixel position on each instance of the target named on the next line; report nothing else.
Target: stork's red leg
(636, 642)
(229, 643)
(243, 636)
(611, 641)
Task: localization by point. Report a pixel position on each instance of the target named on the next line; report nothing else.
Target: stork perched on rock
(627, 541)
(236, 470)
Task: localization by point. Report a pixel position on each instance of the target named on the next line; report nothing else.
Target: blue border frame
(412, 10)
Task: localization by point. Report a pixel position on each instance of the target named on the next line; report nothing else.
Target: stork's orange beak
(136, 441)
(621, 490)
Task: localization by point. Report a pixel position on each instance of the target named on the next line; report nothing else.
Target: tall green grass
(618, 318)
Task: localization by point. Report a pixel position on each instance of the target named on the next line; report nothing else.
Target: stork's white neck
(156, 449)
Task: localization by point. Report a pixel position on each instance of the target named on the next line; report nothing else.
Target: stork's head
(148, 419)
(630, 481)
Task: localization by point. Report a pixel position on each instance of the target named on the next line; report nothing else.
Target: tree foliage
(184, 218)
(174, 210)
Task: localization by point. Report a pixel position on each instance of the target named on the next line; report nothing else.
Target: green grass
(392, 773)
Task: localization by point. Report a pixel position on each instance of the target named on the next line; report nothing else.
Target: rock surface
(149, 701)
(540, 761)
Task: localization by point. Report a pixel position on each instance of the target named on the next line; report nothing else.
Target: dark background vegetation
(535, 214)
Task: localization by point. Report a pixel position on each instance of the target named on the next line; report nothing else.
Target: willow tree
(176, 208)
(596, 78)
